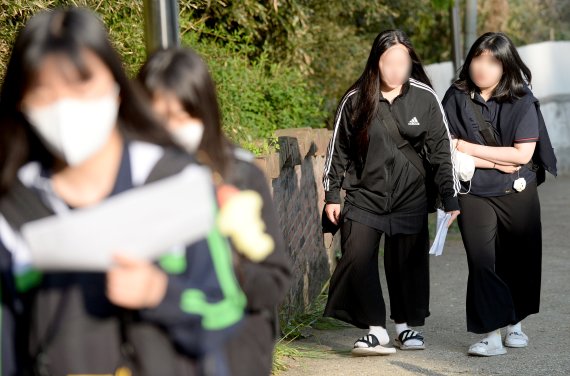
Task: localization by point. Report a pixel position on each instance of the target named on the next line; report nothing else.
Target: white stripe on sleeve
(328, 161)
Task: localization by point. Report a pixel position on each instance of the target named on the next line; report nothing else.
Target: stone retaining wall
(294, 174)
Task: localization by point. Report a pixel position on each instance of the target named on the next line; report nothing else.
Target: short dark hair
(182, 72)
(516, 75)
(68, 31)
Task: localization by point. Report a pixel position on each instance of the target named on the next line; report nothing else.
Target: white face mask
(464, 165)
(75, 129)
(189, 135)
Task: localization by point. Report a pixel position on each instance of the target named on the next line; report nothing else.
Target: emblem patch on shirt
(414, 121)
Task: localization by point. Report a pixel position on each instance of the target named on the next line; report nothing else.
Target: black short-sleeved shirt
(492, 182)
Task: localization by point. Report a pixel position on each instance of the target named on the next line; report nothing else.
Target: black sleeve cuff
(332, 197)
(450, 203)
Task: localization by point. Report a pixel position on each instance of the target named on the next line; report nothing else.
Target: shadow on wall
(295, 174)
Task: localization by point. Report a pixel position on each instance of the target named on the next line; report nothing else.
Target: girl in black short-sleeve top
(500, 214)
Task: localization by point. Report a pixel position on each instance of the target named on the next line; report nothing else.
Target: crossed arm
(507, 159)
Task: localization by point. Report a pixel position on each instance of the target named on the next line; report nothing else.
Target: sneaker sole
(516, 346)
(373, 351)
(408, 348)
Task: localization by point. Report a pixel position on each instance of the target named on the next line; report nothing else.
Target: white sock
(401, 327)
(494, 337)
(514, 328)
(380, 333)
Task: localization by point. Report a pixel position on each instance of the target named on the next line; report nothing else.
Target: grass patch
(299, 326)
(285, 349)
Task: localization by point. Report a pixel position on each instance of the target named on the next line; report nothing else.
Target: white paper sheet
(441, 233)
(143, 222)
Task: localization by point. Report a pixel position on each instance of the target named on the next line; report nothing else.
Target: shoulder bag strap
(485, 128)
(402, 144)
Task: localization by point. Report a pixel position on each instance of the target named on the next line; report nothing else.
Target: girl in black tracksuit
(385, 194)
(500, 216)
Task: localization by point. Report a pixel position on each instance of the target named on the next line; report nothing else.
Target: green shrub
(257, 96)
(124, 20)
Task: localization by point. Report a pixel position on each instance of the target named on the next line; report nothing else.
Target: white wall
(441, 76)
(549, 63)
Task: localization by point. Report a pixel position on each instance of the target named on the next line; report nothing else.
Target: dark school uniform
(500, 227)
(265, 283)
(67, 319)
(386, 195)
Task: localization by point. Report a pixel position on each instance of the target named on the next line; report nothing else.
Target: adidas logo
(414, 121)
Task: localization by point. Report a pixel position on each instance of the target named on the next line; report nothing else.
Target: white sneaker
(487, 348)
(516, 339)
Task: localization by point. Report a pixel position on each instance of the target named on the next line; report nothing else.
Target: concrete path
(446, 336)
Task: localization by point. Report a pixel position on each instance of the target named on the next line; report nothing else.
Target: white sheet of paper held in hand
(441, 233)
(143, 222)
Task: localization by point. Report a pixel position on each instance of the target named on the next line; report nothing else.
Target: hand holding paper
(441, 232)
(143, 223)
(135, 283)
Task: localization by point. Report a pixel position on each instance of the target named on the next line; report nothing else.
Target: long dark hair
(68, 31)
(183, 73)
(516, 75)
(368, 85)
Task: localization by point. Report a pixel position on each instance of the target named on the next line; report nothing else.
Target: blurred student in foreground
(183, 94)
(73, 133)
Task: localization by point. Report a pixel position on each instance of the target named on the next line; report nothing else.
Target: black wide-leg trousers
(355, 295)
(503, 240)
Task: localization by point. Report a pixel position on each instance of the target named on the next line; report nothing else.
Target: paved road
(446, 337)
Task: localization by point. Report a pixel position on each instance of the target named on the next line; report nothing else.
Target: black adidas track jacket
(389, 182)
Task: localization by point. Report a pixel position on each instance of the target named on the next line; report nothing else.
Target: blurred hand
(454, 215)
(454, 142)
(460, 145)
(507, 169)
(135, 284)
(333, 212)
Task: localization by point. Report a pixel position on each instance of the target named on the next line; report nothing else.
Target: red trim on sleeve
(526, 140)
